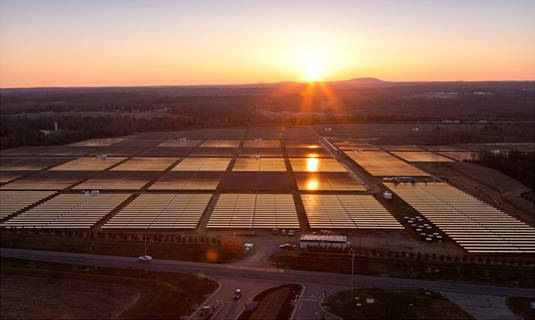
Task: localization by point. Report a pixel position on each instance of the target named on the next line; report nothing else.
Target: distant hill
(362, 82)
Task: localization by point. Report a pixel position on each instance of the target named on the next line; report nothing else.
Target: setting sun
(313, 72)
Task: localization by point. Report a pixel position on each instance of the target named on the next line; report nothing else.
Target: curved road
(264, 274)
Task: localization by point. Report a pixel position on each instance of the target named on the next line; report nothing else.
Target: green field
(93, 292)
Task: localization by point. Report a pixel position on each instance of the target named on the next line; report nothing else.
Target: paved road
(265, 274)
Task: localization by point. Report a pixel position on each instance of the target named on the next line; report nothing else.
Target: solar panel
(260, 143)
(97, 142)
(87, 164)
(179, 143)
(401, 148)
(118, 180)
(202, 164)
(445, 148)
(48, 180)
(347, 212)
(221, 143)
(7, 176)
(380, 163)
(330, 181)
(254, 211)
(424, 156)
(473, 224)
(13, 201)
(260, 164)
(316, 165)
(29, 163)
(145, 164)
(188, 180)
(161, 211)
(214, 152)
(460, 155)
(68, 211)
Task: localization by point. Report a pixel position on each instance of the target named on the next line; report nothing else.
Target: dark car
(236, 295)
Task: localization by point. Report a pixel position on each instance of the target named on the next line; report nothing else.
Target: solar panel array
(316, 165)
(423, 156)
(87, 163)
(118, 180)
(254, 211)
(161, 211)
(203, 164)
(401, 148)
(331, 181)
(473, 224)
(187, 180)
(259, 164)
(13, 201)
(460, 155)
(221, 143)
(380, 163)
(347, 212)
(145, 164)
(262, 144)
(68, 211)
(29, 163)
(445, 148)
(47, 180)
(97, 142)
(179, 143)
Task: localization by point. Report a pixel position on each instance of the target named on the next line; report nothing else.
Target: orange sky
(97, 43)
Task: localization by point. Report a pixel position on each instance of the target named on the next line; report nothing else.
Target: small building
(323, 240)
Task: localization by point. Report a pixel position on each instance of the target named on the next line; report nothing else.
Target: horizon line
(261, 83)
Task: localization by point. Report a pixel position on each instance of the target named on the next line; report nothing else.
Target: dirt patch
(31, 297)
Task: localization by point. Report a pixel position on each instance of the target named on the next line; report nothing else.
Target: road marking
(311, 299)
(255, 269)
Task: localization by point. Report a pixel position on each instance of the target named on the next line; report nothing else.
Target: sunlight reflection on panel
(312, 185)
(312, 164)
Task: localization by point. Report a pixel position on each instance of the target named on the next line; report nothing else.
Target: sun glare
(313, 72)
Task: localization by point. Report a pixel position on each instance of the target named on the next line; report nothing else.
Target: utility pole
(352, 270)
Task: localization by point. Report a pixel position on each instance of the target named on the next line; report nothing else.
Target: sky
(133, 43)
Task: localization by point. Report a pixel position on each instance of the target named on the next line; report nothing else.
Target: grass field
(275, 303)
(269, 307)
(414, 269)
(69, 291)
(393, 304)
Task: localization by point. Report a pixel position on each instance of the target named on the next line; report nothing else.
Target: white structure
(323, 240)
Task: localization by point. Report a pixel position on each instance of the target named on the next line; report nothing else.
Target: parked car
(275, 231)
(236, 295)
(283, 232)
(291, 233)
(145, 258)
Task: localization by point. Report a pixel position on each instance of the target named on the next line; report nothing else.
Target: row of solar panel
(184, 211)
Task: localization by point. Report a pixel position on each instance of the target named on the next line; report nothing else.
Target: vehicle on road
(275, 231)
(236, 295)
(206, 312)
(283, 232)
(287, 246)
(291, 233)
(145, 258)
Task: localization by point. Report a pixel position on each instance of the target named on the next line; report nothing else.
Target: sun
(314, 72)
